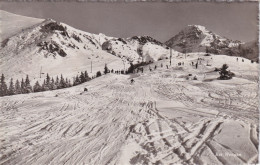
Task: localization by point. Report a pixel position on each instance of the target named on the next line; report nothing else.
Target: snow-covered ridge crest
(137, 48)
(57, 47)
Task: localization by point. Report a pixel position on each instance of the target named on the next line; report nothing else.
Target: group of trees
(24, 86)
(225, 74)
(15, 88)
(79, 79)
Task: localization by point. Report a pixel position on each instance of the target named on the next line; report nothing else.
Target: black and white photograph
(121, 82)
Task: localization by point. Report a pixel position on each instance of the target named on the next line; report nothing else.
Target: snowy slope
(137, 49)
(57, 48)
(165, 117)
(196, 38)
(11, 24)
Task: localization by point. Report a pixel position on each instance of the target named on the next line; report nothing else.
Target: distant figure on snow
(132, 81)
(196, 65)
(85, 89)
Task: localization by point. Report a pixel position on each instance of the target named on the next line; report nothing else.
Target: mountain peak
(197, 38)
(198, 27)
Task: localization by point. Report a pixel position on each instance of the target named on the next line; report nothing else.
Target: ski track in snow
(170, 119)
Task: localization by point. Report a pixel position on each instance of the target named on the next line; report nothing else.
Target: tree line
(49, 83)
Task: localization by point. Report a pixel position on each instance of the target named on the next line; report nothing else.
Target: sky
(160, 20)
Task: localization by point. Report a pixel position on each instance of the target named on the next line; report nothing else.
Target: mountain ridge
(197, 38)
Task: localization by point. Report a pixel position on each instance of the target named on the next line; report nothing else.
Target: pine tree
(53, 85)
(62, 82)
(57, 83)
(28, 87)
(48, 82)
(3, 86)
(44, 86)
(224, 74)
(98, 74)
(86, 76)
(70, 85)
(37, 87)
(67, 82)
(11, 89)
(82, 77)
(76, 81)
(18, 89)
(22, 86)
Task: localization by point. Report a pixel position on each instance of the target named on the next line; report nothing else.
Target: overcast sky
(237, 21)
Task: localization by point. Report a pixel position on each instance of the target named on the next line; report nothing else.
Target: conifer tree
(57, 83)
(70, 85)
(98, 74)
(3, 86)
(62, 82)
(37, 87)
(86, 76)
(11, 90)
(22, 86)
(28, 87)
(43, 87)
(76, 81)
(48, 82)
(18, 89)
(53, 85)
(82, 77)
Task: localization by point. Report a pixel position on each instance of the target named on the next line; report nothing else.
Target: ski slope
(11, 24)
(164, 117)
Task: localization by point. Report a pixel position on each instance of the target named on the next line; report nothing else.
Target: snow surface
(165, 117)
(22, 54)
(11, 24)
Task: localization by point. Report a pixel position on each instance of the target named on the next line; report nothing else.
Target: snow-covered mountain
(56, 48)
(196, 38)
(11, 24)
(137, 48)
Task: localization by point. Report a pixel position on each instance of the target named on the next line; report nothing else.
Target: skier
(196, 65)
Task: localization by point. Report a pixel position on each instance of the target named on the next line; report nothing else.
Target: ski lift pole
(41, 72)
